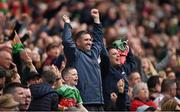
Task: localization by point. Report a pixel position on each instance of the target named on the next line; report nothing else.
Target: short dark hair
(66, 70)
(32, 75)
(166, 85)
(9, 88)
(152, 81)
(80, 33)
(110, 47)
(49, 76)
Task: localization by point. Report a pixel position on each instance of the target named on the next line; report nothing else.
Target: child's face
(73, 77)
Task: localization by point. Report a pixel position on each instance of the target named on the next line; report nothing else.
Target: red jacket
(137, 103)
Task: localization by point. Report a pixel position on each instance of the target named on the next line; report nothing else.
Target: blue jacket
(112, 74)
(86, 63)
(44, 98)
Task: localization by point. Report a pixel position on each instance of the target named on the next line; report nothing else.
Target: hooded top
(44, 97)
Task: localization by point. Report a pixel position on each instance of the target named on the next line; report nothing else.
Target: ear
(78, 42)
(66, 78)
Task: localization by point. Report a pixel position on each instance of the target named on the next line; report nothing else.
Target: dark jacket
(120, 102)
(44, 98)
(112, 74)
(86, 63)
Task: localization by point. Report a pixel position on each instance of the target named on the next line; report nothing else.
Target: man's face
(135, 78)
(19, 95)
(114, 56)
(27, 93)
(84, 42)
(173, 90)
(171, 75)
(6, 60)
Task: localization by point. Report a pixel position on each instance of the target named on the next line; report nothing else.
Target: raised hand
(95, 15)
(24, 56)
(66, 19)
(121, 85)
(55, 70)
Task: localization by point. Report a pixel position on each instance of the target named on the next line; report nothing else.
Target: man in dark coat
(44, 98)
(83, 55)
(112, 71)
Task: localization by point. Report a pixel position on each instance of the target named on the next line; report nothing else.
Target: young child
(71, 95)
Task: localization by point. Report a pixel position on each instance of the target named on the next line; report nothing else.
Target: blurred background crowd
(152, 28)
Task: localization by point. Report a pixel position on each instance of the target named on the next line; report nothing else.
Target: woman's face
(145, 64)
(143, 93)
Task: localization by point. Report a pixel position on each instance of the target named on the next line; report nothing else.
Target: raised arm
(130, 64)
(95, 15)
(97, 33)
(165, 61)
(69, 45)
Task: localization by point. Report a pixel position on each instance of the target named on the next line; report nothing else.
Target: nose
(89, 42)
(145, 90)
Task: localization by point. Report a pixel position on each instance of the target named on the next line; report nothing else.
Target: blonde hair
(151, 69)
(168, 104)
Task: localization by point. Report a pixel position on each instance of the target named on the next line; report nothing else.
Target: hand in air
(66, 19)
(95, 15)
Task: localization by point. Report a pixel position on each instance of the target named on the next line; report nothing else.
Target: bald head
(5, 59)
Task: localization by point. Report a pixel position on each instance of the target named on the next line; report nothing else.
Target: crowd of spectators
(34, 52)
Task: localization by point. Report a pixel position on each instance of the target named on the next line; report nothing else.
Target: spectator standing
(154, 86)
(168, 88)
(83, 55)
(141, 97)
(27, 93)
(17, 91)
(71, 95)
(44, 97)
(112, 71)
(6, 59)
(133, 79)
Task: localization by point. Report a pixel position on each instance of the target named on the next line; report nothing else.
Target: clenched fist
(66, 19)
(121, 85)
(95, 15)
